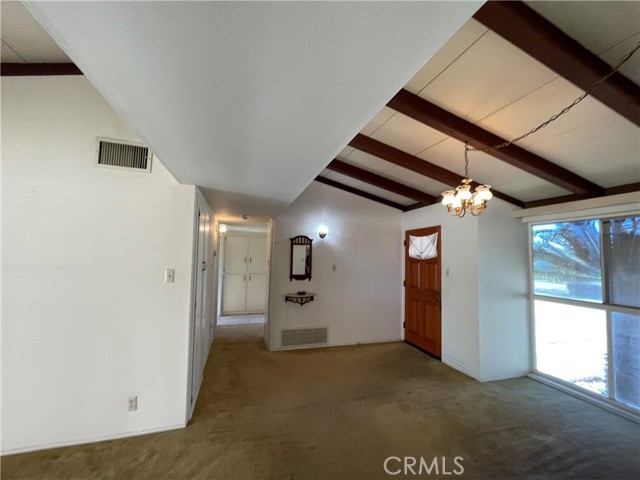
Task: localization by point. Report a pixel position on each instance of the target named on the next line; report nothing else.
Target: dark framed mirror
(300, 266)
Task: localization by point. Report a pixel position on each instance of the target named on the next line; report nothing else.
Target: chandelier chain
(466, 159)
(554, 117)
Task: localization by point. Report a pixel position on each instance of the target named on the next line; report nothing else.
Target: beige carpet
(339, 412)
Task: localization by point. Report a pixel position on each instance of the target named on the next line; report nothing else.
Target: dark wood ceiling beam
(435, 117)
(630, 187)
(381, 182)
(38, 69)
(532, 33)
(402, 159)
(355, 191)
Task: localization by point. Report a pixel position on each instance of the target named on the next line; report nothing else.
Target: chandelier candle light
(461, 200)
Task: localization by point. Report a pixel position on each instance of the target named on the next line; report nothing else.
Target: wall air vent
(121, 154)
(304, 337)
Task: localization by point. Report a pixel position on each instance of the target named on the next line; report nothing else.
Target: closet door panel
(234, 293)
(257, 255)
(235, 255)
(256, 294)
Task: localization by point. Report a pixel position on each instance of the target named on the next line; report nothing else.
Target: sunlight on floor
(240, 320)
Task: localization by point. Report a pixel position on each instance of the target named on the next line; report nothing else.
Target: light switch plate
(169, 275)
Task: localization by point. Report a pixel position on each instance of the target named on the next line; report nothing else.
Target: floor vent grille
(304, 337)
(123, 155)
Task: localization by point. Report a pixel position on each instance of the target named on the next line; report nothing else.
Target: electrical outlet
(133, 403)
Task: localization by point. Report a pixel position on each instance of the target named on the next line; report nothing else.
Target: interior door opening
(244, 268)
(422, 290)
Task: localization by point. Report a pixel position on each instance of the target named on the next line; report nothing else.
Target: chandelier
(461, 200)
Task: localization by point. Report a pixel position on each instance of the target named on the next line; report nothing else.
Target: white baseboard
(81, 441)
(457, 365)
(508, 376)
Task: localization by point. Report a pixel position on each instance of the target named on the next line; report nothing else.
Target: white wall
(460, 330)
(503, 293)
(359, 302)
(484, 290)
(87, 320)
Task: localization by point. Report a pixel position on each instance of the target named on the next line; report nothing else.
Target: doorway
(423, 305)
(244, 274)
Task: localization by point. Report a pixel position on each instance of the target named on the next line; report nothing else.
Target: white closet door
(234, 293)
(256, 291)
(235, 255)
(257, 255)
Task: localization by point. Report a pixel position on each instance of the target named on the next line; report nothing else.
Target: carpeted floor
(340, 412)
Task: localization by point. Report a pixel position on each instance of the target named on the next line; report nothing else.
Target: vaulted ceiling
(505, 71)
(248, 100)
(260, 123)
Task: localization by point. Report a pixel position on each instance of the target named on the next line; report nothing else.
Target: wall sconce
(322, 231)
(222, 228)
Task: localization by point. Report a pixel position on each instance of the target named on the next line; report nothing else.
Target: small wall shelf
(299, 298)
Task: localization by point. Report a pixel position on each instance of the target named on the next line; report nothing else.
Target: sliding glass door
(586, 305)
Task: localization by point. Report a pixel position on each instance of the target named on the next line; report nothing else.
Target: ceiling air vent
(121, 154)
(304, 337)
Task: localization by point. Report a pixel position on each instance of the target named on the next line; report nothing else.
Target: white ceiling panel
(8, 55)
(344, 179)
(579, 140)
(415, 180)
(387, 195)
(532, 188)
(407, 134)
(469, 33)
(607, 152)
(324, 172)
(26, 37)
(597, 25)
(606, 175)
(385, 114)
(537, 107)
(489, 75)
(254, 89)
(345, 152)
(369, 162)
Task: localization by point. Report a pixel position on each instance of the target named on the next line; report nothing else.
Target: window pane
(566, 260)
(626, 356)
(571, 344)
(622, 253)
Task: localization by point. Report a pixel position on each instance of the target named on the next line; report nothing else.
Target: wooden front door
(422, 312)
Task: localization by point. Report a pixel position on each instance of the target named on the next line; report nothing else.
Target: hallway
(339, 412)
